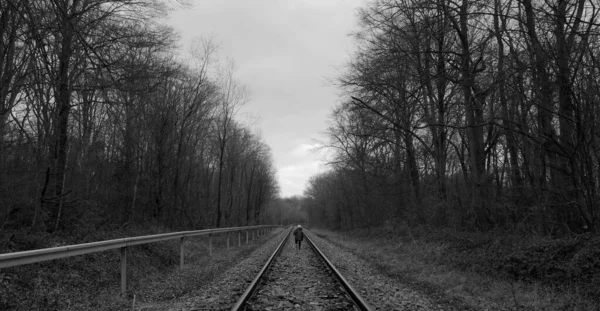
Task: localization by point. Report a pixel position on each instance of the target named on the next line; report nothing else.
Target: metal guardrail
(45, 254)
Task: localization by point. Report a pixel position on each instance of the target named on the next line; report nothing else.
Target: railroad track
(303, 279)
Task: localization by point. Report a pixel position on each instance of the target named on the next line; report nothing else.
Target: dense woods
(464, 150)
(101, 124)
(469, 114)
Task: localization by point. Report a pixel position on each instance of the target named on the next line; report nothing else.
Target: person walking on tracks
(298, 236)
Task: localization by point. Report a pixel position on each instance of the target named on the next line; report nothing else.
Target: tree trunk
(413, 170)
(249, 195)
(219, 182)
(474, 118)
(543, 91)
(63, 97)
(507, 117)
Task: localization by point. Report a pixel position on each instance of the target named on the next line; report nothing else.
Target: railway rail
(301, 279)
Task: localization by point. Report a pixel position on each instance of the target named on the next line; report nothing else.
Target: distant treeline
(101, 124)
(471, 114)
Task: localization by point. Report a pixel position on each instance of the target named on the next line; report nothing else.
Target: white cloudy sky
(285, 51)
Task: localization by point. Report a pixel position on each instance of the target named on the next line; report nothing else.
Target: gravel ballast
(224, 292)
(299, 280)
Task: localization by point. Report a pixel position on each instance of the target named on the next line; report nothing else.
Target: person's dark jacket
(298, 235)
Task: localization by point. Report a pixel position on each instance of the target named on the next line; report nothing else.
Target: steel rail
(250, 289)
(358, 300)
(354, 295)
(38, 255)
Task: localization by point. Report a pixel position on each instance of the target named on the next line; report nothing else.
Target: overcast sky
(285, 51)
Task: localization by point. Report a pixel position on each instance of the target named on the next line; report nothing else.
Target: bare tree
(232, 97)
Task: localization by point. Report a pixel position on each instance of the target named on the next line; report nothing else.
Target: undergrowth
(568, 264)
(510, 271)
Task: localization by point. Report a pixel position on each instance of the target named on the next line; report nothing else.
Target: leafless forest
(102, 124)
(469, 114)
(464, 153)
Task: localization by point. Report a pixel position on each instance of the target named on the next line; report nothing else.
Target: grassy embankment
(488, 271)
(91, 282)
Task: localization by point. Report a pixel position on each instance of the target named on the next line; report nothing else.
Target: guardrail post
(253, 233)
(181, 253)
(227, 240)
(239, 238)
(247, 236)
(123, 271)
(210, 245)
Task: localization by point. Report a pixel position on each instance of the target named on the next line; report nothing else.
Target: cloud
(305, 149)
(293, 178)
(298, 165)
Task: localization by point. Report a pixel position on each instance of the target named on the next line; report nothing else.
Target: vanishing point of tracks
(303, 279)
